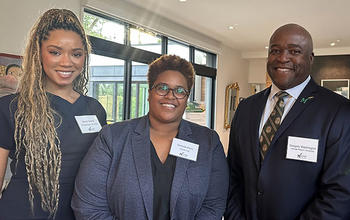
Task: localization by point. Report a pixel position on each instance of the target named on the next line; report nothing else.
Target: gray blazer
(115, 178)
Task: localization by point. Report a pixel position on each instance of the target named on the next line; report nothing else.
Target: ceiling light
(332, 44)
(231, 27)
(338, 41)
(182, 0)
(266, 47)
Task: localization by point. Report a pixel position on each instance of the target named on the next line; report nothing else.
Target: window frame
(131, 54)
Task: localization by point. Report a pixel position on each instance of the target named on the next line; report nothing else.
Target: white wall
(18, 16)
(15, 25)
(231, 68)
(257, 71)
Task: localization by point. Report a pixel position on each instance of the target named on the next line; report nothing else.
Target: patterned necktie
(272, 124)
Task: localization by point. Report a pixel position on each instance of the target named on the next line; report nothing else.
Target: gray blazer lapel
(141, 151)
(306, 97)
(185, 133)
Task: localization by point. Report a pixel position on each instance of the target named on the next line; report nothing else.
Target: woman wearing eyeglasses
(156, 167)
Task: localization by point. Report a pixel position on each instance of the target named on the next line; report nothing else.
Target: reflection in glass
(145, 40)
(103, 28)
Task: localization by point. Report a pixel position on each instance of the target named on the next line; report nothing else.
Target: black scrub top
(14, 203)
(162, 181)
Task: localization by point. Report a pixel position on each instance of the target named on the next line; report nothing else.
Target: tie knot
(281, 94)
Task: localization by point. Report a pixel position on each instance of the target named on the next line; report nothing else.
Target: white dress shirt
(288, 100)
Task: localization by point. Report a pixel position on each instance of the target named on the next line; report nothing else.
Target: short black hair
(170, 62)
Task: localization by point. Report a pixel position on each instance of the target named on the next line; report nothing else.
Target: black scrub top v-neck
(14, 203)
(162, 181)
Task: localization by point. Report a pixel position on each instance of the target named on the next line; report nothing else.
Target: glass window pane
(106, 80)
(179, 49)
(106, 84)
(139, 90)
(199, 110)
(145, 40)
(143, 100)
(200, 57)
(102, 66)
(103, 28)
(134, 97)
(205, 58)
(120, 101)
(104, 93)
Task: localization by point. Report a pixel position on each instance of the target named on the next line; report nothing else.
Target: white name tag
(88, 123)
(184, 149)
(304, 149)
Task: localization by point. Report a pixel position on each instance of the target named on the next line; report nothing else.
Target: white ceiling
(326, 20)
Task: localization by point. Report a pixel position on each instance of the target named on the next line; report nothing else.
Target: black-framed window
(119, 64)
(178, 48)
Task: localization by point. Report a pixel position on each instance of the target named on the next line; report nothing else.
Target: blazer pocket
(196, 181)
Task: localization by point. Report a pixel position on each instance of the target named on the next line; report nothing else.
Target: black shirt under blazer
(115, 178)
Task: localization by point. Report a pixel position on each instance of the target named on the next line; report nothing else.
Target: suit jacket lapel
(298, 107)
(141, 151)
(185, 133)
(255, 124)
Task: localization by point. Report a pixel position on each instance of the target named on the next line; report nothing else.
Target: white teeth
(283, 69)
(64, 73)
(169, 105)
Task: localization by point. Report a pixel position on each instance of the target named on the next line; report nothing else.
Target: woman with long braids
(48, 126)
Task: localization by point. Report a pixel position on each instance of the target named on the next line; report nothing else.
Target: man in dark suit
(289, 150)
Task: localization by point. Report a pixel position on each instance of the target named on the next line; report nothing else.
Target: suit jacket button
(260, 193)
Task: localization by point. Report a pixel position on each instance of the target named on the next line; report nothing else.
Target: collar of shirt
(289, 102)
(293, 92)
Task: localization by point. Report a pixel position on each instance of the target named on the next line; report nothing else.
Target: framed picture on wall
(340, 86)
(8, 60)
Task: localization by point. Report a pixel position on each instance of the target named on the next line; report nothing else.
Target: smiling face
(167, 109)
(290, 56)
(62, 57)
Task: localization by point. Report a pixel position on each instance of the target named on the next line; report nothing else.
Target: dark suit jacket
(115, 178)
(291, 189)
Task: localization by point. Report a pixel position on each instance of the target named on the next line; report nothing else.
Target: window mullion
(191, 51)
(127, 35)
(164, 45)
(127, 89)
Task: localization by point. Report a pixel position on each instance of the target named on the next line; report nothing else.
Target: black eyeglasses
(163, 89)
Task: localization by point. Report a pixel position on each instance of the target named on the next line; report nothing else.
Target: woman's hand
(3, 164)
